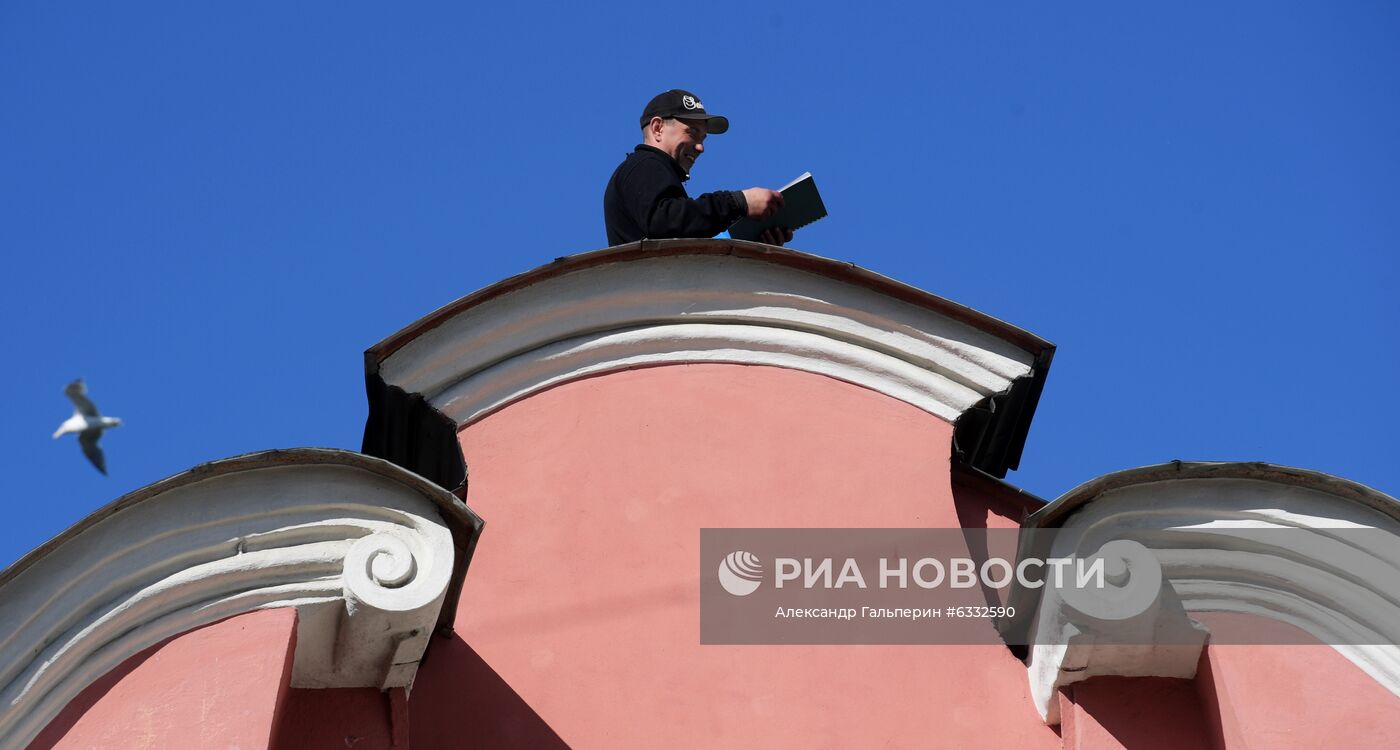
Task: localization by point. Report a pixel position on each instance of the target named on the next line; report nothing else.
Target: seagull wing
(90, 449)
(77, 393)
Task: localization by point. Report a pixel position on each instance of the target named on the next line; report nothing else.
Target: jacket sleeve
(662, 208)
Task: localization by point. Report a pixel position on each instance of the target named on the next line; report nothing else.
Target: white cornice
(362, 549)
(620, 312)
(1312, 551)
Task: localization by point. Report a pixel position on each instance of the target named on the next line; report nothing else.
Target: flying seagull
(87, 423)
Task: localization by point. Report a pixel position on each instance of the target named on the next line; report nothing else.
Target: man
(646, 196)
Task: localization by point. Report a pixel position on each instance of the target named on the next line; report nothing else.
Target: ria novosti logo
(740, 573)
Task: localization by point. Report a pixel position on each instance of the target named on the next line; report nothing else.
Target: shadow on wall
(344, 717)
(460, 701)
(457, 701)
(1136, 712)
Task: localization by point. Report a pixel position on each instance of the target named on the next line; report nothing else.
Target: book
(802, 205)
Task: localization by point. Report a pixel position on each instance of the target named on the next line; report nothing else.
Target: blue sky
(211, 211)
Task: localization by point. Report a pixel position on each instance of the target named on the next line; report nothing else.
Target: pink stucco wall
(1295, 696)
(361, 718)
(216, 687)
(581, 607)
(1133, 713)
(1295, 693)
(579, 621)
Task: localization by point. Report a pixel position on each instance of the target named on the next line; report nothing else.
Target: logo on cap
(690, 103)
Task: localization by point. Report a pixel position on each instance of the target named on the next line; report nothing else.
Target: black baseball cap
(684, 105)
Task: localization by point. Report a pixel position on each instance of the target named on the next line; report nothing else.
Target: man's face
(684, 140)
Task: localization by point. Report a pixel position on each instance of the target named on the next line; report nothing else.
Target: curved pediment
(704, 301)
(1315, 553)
(367, 553)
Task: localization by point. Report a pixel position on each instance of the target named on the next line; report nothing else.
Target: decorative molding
(1134, 627)
(1315, 552)
(363, 550)
(711, 302)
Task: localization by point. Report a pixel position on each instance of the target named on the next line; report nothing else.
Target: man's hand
(762, 202)
(775, 236)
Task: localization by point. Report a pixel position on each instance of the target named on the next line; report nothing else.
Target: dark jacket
(646, 198)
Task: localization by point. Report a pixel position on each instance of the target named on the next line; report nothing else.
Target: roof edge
(454, 510)
(828, 267)
(1065, 505)
(405, 428)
